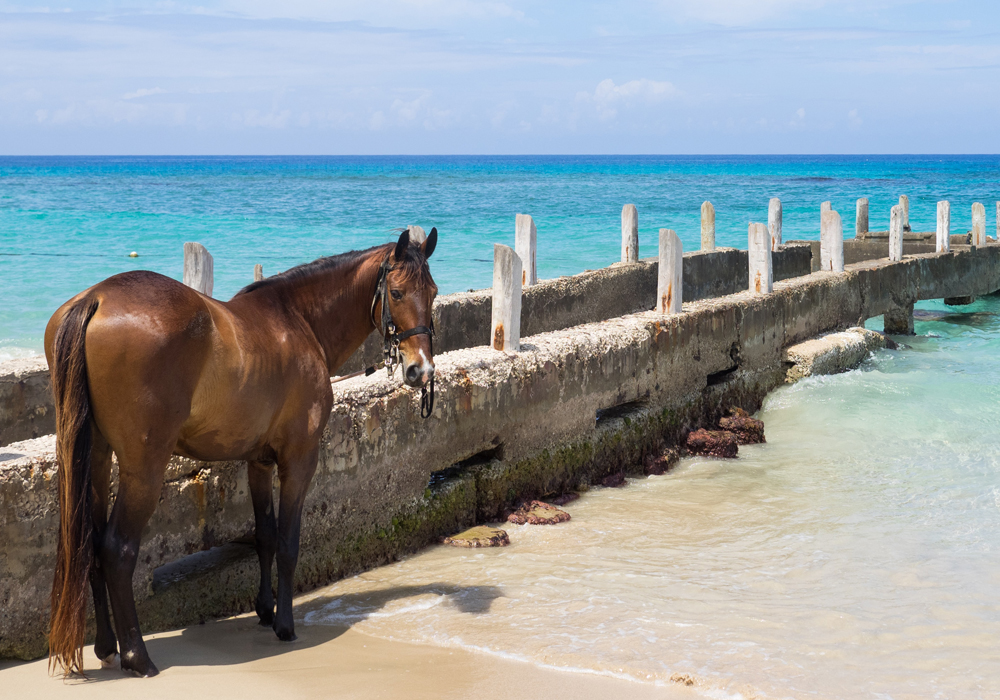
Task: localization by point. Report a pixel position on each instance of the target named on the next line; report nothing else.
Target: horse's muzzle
(418, 375)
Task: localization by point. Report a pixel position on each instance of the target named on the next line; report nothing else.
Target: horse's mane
(414, 265)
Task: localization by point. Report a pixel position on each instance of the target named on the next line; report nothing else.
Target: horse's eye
(396, 294)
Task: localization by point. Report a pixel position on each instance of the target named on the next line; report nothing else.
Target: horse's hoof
(285, 635)
(110, 661)
(266, 616)
(140, 669)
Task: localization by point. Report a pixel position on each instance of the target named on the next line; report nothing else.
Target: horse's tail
(74, 439)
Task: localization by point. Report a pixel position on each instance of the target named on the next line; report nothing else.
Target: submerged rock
(831, 353)
(564, 498)
(481, 536)
(712, 443)
(748, 431)
(538, 513)
(657, 463)
(613, 481)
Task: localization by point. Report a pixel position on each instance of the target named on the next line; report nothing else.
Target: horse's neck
(337, 306)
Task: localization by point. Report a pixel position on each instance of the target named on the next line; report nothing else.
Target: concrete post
(896, 233)
(978, 225)
(417, 235)
(630, 234)
(904, 202)
(898, 321)
(861, 219)
(759, 253)
(198, 268)
(669, 279)
(943, 227)
(825, 207)
(525, 237)
(258, 273)
(774, 222)
(998, 221)
(831, 247)
(505, 329)
(707, 226)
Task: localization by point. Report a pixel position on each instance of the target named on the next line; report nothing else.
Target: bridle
(391, 338)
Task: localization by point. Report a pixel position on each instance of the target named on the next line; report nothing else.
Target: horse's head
(411, 292)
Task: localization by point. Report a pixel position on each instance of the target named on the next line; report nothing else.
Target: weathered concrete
(898, 320)
(831, 353)
(774, 217)
(669, 284)
(707, 227)
(574, 406)
(526, 245)
(861, 218)
(630, 234)
(26, 409)
(198, 268)
(505, 329)
(761, 272)
(943, 232)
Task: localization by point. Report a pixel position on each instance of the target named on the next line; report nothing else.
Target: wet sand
(236, 658)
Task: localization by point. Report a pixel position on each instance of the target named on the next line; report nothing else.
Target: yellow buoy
(133, 254)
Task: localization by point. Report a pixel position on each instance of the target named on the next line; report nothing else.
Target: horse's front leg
(261, 478)
(295, 475)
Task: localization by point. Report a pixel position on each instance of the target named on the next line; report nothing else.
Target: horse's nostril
(412, 373)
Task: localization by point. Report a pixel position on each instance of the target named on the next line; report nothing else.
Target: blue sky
(500, 76)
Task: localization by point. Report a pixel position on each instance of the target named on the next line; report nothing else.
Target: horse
(144, 367)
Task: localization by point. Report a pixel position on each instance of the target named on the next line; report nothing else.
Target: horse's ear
(427, 247)
(401, 245)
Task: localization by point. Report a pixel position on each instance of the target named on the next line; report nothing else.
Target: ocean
(69, 222)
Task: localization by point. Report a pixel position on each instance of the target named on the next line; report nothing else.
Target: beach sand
(236, 658)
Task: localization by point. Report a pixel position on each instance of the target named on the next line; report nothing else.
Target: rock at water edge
(538, 513)
(712, 443)
(748, 431)
(480, 536)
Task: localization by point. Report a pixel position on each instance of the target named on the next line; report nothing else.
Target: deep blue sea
(69, 222)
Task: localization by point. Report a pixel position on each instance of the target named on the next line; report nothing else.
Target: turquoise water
(67, 223)
(854, 555)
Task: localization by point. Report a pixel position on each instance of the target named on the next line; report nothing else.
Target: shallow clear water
(853, 555)
(69, 222)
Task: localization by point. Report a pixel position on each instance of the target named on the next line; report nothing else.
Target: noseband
(391, 338)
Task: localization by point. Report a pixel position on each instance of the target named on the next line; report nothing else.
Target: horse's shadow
(240, 640)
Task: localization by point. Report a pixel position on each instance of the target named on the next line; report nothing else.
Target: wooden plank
(774, 222)
(525, 238)
(669, 279)
(198, 268)
(505, 329)
(943, 227)
(831, 236)
(761, 270)
(707, 226)
(896, 233)
(630, 234)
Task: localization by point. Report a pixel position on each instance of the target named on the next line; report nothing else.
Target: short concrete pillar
(525, 239)
(505, 329)
(417, 234)
(825, 207)
(669, 279)
(759, 253)
(707, 226)
(978, 225)
(861, 219)
(831, 245)
(943, 227)
(774, 222)
(258, 273)
(899, 321)
(630, 234)
(896, 233)
(904, 202)
(198, 268)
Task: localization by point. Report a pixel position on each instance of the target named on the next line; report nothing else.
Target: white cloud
(143, 92)
(608, 96)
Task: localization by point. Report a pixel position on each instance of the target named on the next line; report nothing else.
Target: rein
(391, 339)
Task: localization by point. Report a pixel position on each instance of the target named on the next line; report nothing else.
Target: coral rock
(481, 536)
(657, 463)
(712, 443)
(538, 513)
(748, 431)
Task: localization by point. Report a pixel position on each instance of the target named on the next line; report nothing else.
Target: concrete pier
(831, 242)
(525, 245)
(761, 268)
(630, 234)
(861, 218)
(774, 222)
(898, 320)
(896, 233)
(669, 285)
(577, 403)
(943, 240)
(978, 225)
(904, 203)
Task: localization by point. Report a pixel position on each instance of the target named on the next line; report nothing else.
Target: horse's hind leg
(106, 644)
(295, 476)
(139, 486)
(261, 478)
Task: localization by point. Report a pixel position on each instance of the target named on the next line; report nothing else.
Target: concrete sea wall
(576, 404)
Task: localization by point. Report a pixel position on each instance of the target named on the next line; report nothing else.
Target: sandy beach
(236, 658)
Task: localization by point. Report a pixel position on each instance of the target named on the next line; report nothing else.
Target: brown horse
(145, 368)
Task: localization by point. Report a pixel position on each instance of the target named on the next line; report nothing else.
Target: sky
(499, 77)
